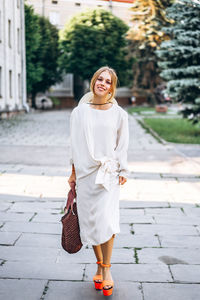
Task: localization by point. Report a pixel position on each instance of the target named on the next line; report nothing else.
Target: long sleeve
(122, 145)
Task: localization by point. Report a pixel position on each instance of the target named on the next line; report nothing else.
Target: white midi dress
(98, 143)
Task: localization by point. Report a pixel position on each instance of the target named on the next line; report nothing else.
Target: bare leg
(107, 252)
(99, 256)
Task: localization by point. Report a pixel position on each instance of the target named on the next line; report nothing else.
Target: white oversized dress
(99, 143)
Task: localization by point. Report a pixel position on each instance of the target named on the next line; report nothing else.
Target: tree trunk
(78, 87)
(33, 102)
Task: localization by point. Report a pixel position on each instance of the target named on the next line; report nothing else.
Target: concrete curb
(151, 131)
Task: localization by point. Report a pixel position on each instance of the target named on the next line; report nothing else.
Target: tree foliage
(92, 39)
(48, 54)
(34, 69)
(180, 57)
(41, 53)
(147, 18)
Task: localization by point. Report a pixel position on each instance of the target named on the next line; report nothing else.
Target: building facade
(60, 11)
(12, 58)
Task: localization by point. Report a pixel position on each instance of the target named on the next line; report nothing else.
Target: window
(78, 4)
(19, 85)
(18, 40)
(0, 82)
(10, 83)
(54, 2)
(9, 33)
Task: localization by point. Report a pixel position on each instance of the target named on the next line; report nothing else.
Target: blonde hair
(114, 80)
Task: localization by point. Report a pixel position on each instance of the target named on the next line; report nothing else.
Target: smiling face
(103, 84)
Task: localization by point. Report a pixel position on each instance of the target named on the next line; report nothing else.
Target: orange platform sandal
(107, 291)
(98, 279)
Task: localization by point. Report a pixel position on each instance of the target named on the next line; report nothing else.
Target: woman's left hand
(122, 180)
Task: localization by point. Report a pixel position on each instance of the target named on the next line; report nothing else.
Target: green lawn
(140, 109)
(175, 130)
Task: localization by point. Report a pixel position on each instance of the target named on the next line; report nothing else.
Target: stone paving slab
(24, 155)
(8, 216)
(175, 211)
(162, 229)
(192, 211)
(180, 241)
(62, 290)
(132, 212)
(142, 204)
(168, 256)
(37, 207)
(135, 240)
(182, 205)
(136, 219)
(172, 291)
(189, 150)
(5, 206)
(198, 229)
(125, 228)
(145, 175)
(9, 238)
(8, 198)
(87, 256)
(186, 273)
(32, 227)
(39, 240)
(134, 272)
(177, 220)
(190, 202)
(29, 254)
(33, 169)
(42, 270)
(46, 218)
(18, 289)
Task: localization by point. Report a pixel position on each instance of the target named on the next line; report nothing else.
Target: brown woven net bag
(70, 240)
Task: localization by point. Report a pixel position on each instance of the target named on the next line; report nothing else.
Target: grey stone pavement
(156, 256)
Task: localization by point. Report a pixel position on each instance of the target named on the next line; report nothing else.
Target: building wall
(60, 11)
(12, 56)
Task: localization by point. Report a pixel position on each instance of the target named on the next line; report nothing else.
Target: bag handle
(71, 197)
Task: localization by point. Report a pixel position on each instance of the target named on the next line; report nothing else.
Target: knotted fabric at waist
(107, 167)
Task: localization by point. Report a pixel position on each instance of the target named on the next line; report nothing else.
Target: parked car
(43, 102)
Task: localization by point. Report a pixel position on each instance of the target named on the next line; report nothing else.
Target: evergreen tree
(180, 57)
(92, 39)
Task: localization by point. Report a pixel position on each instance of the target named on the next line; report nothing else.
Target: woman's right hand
(71, 179)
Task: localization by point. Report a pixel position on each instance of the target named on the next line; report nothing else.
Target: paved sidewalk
(156, 255)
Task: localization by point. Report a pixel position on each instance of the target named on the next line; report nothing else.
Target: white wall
(12, 56)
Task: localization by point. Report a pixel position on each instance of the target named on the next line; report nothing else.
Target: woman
(99, 142)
